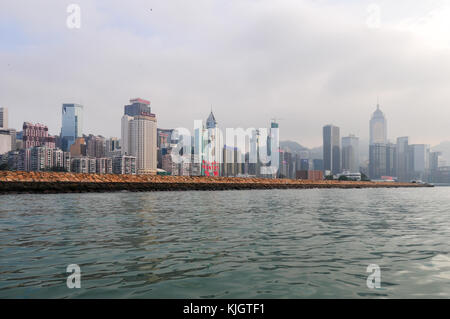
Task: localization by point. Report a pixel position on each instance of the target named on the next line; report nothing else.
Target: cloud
(307, 62)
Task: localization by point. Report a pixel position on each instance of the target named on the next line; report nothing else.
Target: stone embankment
(51, 182)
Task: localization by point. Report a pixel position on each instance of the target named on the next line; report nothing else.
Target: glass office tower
(72, 124)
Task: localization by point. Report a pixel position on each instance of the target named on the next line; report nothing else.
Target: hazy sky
(308, 63)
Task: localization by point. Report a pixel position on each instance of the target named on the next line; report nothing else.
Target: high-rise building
(112, 144)
(211, 121)
(253, 156)
(318, 164)
(381, 160)
(286, 165)
(231, 164)
(331, 149)
(212, 148)
(350, 154)
(5, 145)
(402, 159)
(391, 160)
(419, 155)
(124, 164)
(72, 124)
(434, 160)
(95, 146)
(42, 158)
(61, 160)
(103, 165)
(164, 144)
(5, 142)
(378, 127)
(80, 165)
(377, 160)
(78, 148)
(139, 136)
(3, 118)
(37, 135)
(138, 107)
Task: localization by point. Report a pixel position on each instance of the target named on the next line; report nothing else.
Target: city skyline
(266, 64)
(347, 132)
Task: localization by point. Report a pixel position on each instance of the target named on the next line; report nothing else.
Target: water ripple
(230, 244)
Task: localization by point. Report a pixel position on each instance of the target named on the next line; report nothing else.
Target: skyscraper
(419, 156)
(139, 136)
(331, 149)
(138, 107)
(211, 121)
(402, 159)
(72, 124)
(213, 150)
(3, 118)
(378, 127)
(350, 154)
(381, 160)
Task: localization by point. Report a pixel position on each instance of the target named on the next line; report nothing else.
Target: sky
(306, 63)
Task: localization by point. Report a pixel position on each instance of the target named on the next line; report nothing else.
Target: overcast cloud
(308, 63)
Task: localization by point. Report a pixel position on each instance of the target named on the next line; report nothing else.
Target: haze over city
(307, 63)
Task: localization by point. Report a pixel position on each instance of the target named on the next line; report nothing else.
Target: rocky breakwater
(52, 182)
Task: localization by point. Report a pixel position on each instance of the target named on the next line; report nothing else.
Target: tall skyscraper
(381, 160)
(419, 156)
(350, 154)
(331, 149)
(378, 127)
(211, 121)
(138, 107)
(402, 159)
(213, 149)
(139, 136)
(377, 160)
(3, 118)
(72, 124)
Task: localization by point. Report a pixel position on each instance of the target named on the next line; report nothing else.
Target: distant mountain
(292, 147)
(296, 148)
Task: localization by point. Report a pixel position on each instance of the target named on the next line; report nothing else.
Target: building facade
(95, 146)
(402, 159)
(124, 164)
(3, 118)
(139, 137)
(331, 149)
(378, 127)
(37, 135)
(72, 124)
(350, 154)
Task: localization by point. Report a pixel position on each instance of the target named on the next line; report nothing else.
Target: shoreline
(53, 182)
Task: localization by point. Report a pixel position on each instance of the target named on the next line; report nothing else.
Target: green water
(228, 244)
